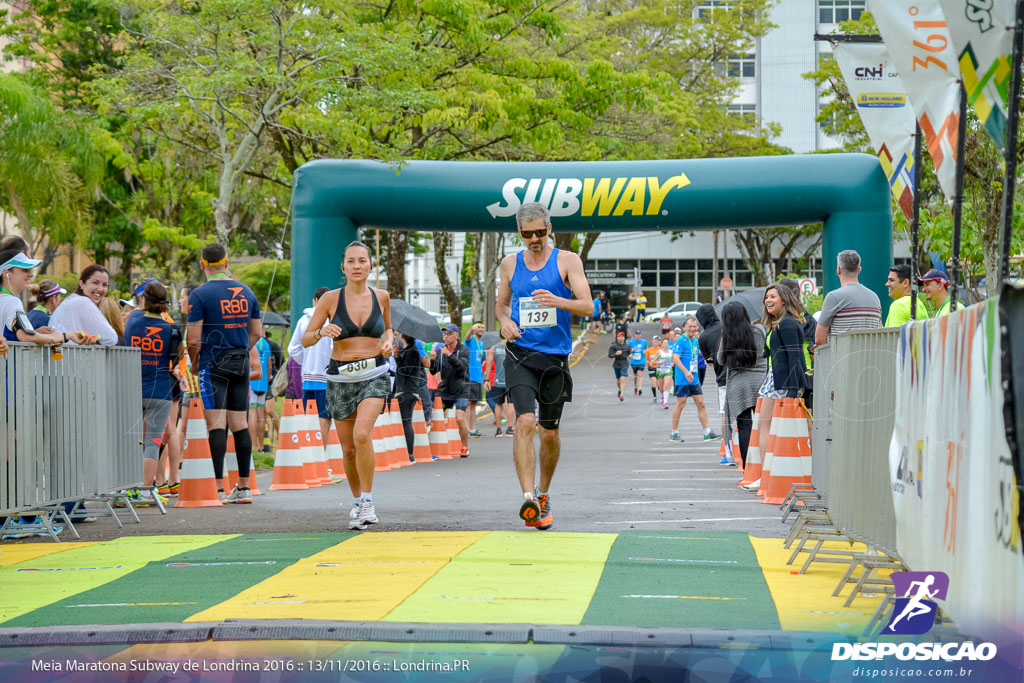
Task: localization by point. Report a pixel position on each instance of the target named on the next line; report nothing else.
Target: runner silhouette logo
(914, 613)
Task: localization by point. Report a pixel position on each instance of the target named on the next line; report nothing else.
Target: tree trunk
(563, 240)
(476, 282)
(451, 297)
(491, 262)
(396, 242)
(588, 242)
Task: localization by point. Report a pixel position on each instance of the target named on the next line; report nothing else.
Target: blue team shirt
(597, 308)
(159, 342)
(476, 359)
(688, 352)
(38, 318)
(225, 307)
(263, 383)
(637, 349)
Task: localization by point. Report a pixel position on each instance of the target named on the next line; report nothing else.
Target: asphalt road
(618, 470)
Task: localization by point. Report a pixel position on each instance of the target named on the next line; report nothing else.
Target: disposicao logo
(914, 614)
(637, 196)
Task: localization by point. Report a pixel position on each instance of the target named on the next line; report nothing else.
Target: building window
(666, 279)
(742, 66)
(746, 112)
(829, 123)
(707, 8)
(835, 11)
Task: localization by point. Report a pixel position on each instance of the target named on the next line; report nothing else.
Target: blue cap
(934, 275)
(140, 290)
(451, 327)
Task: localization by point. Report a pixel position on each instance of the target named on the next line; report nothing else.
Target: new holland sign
(637, 196)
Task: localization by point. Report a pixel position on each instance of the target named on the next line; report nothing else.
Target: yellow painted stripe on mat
(804, 602)
(514, 577)
(361, 579)
(13, 554)
(49, 578)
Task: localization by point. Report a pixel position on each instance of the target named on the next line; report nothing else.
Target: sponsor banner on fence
(884, 110)
(952, 478)
(917, 37)
(982, 32)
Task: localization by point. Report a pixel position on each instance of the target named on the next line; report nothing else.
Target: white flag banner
(916, 34)
(953, 485)
(982, 32)
(888, 118)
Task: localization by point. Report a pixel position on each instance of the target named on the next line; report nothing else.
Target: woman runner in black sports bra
(357, 377)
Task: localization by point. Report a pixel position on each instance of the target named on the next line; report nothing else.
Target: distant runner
(637, 360)
(541, 287)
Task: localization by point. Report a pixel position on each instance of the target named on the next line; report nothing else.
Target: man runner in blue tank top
(541, 287)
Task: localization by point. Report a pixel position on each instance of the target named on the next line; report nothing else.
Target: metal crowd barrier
(854, 412)
(71, 428)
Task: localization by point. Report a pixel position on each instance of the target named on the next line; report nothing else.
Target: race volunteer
(223, 324)
(541, 288)
(358, 318)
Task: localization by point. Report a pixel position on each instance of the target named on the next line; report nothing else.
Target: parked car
(677, 312)
(467, 316)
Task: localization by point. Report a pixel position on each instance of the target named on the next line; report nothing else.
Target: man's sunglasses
(530, 234)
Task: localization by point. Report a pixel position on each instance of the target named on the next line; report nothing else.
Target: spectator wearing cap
(80, 312)
(935, 286)
(898, 284)
(47, 296)
(475, 344)
(15, 275)
(851, 307)
(451, 362)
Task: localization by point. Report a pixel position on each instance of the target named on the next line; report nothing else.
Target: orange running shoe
(464, 453)
(530, 512)
(545, 521)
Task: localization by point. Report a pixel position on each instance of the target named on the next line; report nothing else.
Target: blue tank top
(555, 340)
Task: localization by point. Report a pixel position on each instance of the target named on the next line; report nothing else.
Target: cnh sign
(847, 192)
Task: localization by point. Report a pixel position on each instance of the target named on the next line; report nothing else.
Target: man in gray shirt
(851, 307)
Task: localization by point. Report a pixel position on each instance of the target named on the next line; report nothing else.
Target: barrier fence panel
(821, 438)
(857, 402)
(71, 427)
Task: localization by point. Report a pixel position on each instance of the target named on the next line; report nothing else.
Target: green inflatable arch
(848, 192)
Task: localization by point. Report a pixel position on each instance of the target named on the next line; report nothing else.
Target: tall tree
(48, 167)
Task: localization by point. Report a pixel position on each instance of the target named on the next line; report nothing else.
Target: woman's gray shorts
(344, 397)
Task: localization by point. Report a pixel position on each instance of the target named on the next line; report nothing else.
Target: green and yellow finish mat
(634, 578)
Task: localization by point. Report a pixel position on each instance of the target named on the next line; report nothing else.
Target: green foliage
(48, 165)
(270, 281)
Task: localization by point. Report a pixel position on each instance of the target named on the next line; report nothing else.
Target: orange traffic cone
(318, 452)
(791, 461)
(335, 457)
(398, 454)
(752, 467)
(198, 487)
(438, 432)
(380, 453)
(288, 470)
(421, 442)
(306, 446)
(230, 465)
(766, 467)
(454, 439)
(253, 489)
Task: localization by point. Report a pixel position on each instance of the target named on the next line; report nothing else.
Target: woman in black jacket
(787, 372)
(786, 343)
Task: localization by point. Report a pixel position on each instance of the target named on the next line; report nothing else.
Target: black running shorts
(537, 379)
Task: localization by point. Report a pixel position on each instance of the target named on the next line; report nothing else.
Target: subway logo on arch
(636, 196)
(236, 305)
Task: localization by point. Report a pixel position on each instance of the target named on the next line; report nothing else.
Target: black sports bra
(373, 327)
